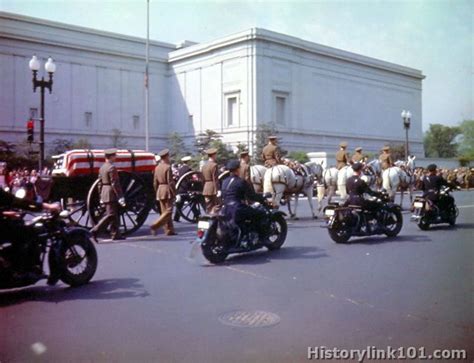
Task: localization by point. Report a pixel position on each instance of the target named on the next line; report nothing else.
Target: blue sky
(431, 35)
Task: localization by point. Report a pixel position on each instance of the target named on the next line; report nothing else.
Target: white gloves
(219, 194)
(122, 202)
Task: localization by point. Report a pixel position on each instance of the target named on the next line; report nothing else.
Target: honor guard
(385, 158)
(111, 196)
(183, 186)
(165, 193)
(342, 156)
(271, 153)
(358, 157)
(211, 181)
(245, 167)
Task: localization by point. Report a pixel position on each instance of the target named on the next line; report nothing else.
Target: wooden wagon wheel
(138, 198)
(191, 205)
(78, 213)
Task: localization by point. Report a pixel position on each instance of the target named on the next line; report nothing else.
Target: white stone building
(315, 95)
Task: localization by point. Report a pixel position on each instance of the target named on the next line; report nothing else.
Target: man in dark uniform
(357, 157)
(183, 187)
(235, 192)
(385, 158)
(245, 167)
(165, 193)
(14, 230)
(431, 185)
(342, 156)
(111, 196)
(211, 180)
(356, 187)
(271, 155)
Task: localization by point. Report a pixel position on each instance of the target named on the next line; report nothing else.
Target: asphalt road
(150, 302)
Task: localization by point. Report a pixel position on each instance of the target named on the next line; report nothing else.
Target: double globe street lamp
(49, 67)
(406, 117)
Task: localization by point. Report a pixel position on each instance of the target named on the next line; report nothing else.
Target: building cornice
(294, 43)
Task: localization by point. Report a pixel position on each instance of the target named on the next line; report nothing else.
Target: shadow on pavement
(109, 289)
(285, 253)
(373, 240)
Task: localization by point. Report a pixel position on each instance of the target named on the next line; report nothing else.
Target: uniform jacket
(356, 187)
(211, 181)
(271, 155)
(385, 161)
(342, 159)
(357, 157)
(245, 171)
(111, 190)
(163, 182)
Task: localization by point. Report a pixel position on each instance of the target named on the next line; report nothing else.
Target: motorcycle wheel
(393, 229)
(424, 223)
(277, 236)
(340, 234)
(452, 217)
(78, 260)
(214, 251)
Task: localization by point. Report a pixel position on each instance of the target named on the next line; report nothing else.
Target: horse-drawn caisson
(74, 183)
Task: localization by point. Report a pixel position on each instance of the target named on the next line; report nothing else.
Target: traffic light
(30, 130)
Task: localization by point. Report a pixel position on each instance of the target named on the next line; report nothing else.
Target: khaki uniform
(271, 155)
(165, 194)
(245, 171)
(342, 159)
(357, 157)
(110, 193)
(385, 161)
(211, 184)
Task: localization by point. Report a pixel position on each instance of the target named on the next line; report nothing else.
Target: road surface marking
(466, 206)
(247, 273)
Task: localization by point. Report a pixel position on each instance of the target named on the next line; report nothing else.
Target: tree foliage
(466, 141)
(117, 139)
(440, 141)
(397, 151)
(300, 156)
(177, 146)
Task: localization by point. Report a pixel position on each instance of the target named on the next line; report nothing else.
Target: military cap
(272, 137)
(110, 152)
(163, 153)
(186, 158)
(431, 167)
(357, 166)
(211, 151)
(343, 144)
(386, 148)
(232, 165)
(244, 153)
(358, 148)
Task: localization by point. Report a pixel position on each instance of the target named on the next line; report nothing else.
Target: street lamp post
(406, 117)
(49, 67)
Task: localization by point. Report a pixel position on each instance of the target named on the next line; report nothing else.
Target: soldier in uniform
(271, 153)
(342, 156)
(385, 158)
(183, 187)
(245, 167)
(358, 157)
(211, 181)
(165, 194)
(111, 196)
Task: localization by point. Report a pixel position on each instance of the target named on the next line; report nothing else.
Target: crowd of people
(19, 178)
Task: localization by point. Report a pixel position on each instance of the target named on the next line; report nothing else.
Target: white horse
(257, 174)
(281, 181)
(329, 183)
(402, 177)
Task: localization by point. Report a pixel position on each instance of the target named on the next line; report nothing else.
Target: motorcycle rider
(20, 235)
(356, 187)
(431, 185)
(235, 191)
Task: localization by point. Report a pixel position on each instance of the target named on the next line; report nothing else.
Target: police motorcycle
(219, 237)
(426, 212)
(344, 222)
(68, 251)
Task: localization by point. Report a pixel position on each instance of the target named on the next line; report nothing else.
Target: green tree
(177, 146)
(203, 141)
(440, 142)
(397, 151)
(466, 141)
(298, 156)
(118, 140)
(59, 146)
(224, 153)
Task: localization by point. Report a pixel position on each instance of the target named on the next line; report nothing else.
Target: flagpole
(147, 108)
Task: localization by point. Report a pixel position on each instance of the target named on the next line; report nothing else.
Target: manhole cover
(249, 319)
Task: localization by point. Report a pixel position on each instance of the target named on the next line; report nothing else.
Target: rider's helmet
(232, 165)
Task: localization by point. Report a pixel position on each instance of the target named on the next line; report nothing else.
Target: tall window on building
(280, 108)
(88, 119)
(33, 112)
(136, 122)
(232, 103)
